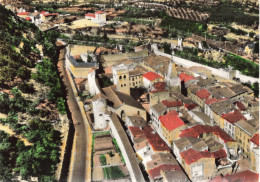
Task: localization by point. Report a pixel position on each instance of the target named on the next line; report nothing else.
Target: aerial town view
(129, 90)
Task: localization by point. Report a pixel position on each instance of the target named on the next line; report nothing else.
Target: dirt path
(8, 130)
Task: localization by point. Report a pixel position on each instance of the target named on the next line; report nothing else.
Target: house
(156, 111)
(147, 142)
(254, 146)
(216, 109)
(173, 104)
(205, 131)
(200, 165)
(185, 81)
(158, 93)
(98, 17)
(229, 120)
(157, 64)
(123, 104)
(244, 176)
(174, 176)
(161, 162)
(201, 96)
(170, 127)
(150, 78)
(79, 65)
(244, 131)
(135, 121)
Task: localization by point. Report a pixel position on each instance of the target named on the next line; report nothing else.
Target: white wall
(132, 169)
(219, 72)
(92, 84)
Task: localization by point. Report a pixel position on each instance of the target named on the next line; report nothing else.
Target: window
(133, 79)
(121, 85)
(124, 84)
(120, 77)
(124, 76)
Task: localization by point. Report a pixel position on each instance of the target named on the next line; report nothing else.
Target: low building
(204, 131)
(201, 96)
(170, 127)
(244, 131)
(230, 119)
(135, 121)
(174, 176)
(158, 93)
(147, 142)
(200, 165)
(98, 17)
(150, 78)
(162, 162)
(254, 146)
(244, 176)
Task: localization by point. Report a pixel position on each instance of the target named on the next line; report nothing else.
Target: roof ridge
(115, 95)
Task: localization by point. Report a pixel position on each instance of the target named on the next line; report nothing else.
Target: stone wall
(127, 151)
(219, 72)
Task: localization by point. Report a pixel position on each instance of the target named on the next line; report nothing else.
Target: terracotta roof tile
(99, 12)
(192, 155)
(203, 94)
(23, 13)
(153, 138)
(175, 103)
(190, 106)
(171, 120)
(233, 117)
(159, 87)
(211, 101)
(166, 167)
(184, 77)
(196, 130)
(241, 106)
(151, 76)
(244, 176)
(255, 139)
(90, 15)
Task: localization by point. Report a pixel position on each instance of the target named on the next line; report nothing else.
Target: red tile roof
(23, 13)
(241, 106)
(184, 77)
(190, 106)
(175, 103)
(211, 101)
(159, 87)
(43, 12)
(196, 130)
(255, 139)
(191, 155)
(244, 176)
(203, 94)
(171, 121)
(28, 18)
(99, 12)
(90, 15)
(153, 138)
(233, 117)
(151, 76)
(51, 14)
(155, 172)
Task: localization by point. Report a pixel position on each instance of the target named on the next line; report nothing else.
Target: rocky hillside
(30, 100)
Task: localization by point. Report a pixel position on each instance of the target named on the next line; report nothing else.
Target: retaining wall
(219, 72)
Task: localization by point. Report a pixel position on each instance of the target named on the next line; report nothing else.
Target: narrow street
(78, 158)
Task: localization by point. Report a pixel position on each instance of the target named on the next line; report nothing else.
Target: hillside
(30, 100)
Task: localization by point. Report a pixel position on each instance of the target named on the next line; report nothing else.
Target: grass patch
(103, 160)
(113, 172)
(118, 149)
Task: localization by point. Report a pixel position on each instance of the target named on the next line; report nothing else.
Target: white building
(99, 17)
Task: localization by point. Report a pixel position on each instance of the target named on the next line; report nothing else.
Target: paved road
(78, 157)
